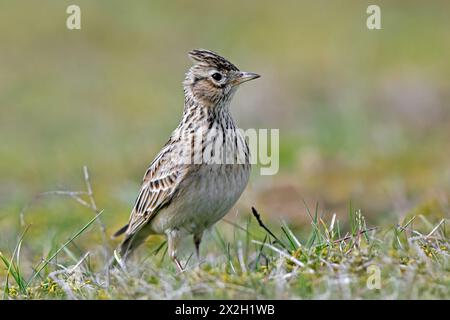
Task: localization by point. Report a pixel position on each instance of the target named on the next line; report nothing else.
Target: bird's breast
(212, 185)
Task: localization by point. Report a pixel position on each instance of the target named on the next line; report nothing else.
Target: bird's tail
(120, 231)
(125, 249)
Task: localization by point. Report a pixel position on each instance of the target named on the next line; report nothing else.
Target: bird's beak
(242, 77)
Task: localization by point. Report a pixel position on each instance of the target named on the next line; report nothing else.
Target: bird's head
(212, 79)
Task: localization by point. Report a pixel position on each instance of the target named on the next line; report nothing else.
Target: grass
(247, 259)
(363, 115)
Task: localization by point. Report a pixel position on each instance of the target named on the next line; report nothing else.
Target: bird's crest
(211, 58)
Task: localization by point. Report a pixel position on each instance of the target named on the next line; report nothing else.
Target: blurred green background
(363, 114)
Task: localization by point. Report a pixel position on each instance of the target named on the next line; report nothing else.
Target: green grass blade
(14, 269)
(76, 235)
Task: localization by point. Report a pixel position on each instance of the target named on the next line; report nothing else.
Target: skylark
(203, 168)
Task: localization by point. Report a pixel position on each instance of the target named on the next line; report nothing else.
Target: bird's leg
(197, 240)
(173, 239)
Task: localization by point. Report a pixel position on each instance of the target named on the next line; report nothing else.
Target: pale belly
(204, 198)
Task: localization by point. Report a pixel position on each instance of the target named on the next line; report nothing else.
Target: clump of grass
(252, 260)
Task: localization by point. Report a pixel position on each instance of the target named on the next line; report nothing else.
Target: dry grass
(244, 260)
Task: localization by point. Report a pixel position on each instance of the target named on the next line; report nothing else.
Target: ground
(363, 119)
(245, 260)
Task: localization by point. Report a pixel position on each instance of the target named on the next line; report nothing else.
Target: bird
(203, 168)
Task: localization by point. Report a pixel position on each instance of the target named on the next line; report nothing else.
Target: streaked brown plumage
(181, 195)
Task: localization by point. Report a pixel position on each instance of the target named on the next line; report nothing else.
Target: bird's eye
(217, 76)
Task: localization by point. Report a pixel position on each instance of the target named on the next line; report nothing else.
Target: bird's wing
(158, 187)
